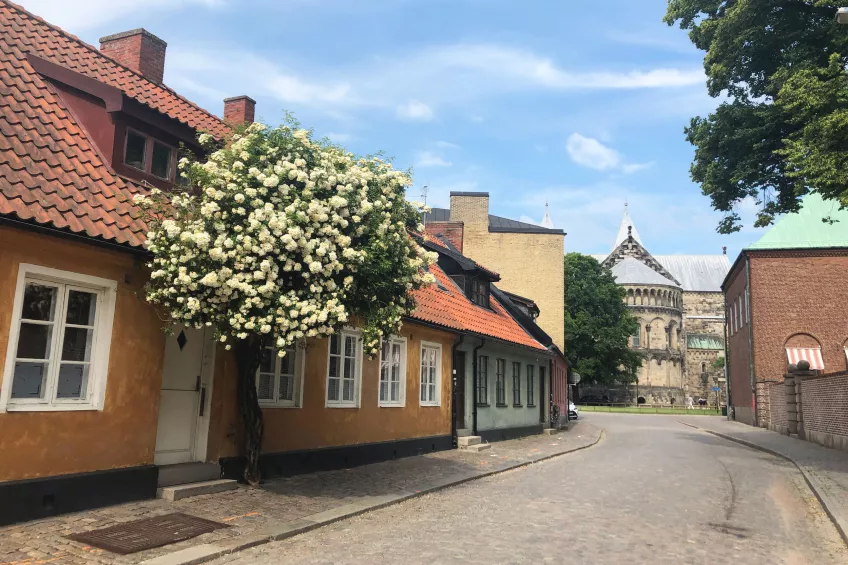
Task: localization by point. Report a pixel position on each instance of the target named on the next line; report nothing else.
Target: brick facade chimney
(239, 109)
(139, 50)
(451, 231)
(470, 208)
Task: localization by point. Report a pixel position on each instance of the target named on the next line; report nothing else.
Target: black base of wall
(289, 463)
(32, 499)
(509, 433)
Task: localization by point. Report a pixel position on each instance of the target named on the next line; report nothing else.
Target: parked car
(572, 411)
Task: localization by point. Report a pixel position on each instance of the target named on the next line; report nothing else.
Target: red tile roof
(450, 308)
(50, 172)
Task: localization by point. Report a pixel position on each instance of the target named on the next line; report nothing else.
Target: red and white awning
(810, 354)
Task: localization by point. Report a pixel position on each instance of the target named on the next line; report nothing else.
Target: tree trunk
(248, 352)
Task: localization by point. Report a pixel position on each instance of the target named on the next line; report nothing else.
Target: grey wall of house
(494, 417)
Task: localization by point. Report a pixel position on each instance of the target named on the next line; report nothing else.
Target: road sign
(716, 389)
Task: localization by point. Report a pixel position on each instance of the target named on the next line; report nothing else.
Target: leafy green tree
(783, 131)
(597, 324)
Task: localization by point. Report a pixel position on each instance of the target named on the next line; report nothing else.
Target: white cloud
(591, 153)
(427, 159)
(81, 15)
(339, 137)
(636, 167)
(527, 220)
(477, 119)
(415, 110)
(447, 145)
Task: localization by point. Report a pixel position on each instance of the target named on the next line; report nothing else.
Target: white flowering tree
(280, 238)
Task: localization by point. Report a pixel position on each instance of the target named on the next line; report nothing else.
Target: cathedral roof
(626, 228)
(697, 273)
(633, 271)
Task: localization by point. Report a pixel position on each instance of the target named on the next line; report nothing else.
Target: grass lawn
(650, 410)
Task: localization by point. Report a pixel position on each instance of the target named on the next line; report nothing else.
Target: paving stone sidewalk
(825, 470)
(280, 504)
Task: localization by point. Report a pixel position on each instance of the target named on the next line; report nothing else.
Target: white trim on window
(93, 392)
(430, 393)
(270, 381)
(355, 378)
(396, 396)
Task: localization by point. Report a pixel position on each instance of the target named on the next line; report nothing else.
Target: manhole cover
(131, 537)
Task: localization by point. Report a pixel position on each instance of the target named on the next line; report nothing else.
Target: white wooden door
(180, 400)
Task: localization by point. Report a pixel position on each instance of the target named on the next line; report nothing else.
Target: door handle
(202, 401)
(197, 384)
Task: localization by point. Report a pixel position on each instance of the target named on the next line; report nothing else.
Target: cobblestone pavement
(249, 510)
(828, 468)
(653, 491)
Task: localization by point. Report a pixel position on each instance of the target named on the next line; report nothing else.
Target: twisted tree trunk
(248, 352)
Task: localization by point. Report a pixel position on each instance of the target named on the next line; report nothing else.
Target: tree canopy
(783, 130)
(597, 324)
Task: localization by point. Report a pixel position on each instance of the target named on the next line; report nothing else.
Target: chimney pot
(239, 109)
(139, 50)
(724, 250)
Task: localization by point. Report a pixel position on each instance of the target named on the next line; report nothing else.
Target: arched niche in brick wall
(802, 340)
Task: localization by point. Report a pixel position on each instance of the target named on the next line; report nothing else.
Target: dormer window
(480, 293)
(149, 155)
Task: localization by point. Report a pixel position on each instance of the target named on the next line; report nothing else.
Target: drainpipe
(730, 412)
(474, 391)
(456, 345)
(751, 338)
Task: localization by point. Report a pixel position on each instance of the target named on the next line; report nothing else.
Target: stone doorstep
(468, 441)
(478, 447)
(178, 492)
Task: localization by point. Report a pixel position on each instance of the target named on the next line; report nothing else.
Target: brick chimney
(139, 50)
(239, 109)
(471, 208)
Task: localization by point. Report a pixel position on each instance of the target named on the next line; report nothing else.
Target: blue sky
(581, 104)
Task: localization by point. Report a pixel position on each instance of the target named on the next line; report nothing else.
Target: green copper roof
(704, 342)
(806, 230)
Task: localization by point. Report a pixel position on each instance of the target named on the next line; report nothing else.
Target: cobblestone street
(653, 491)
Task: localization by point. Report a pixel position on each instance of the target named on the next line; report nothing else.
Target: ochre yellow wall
(315, 426)
(37, 444)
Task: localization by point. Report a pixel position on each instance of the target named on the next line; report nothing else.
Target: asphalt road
(652, 491)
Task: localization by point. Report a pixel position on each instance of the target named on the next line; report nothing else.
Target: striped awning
(811, 354)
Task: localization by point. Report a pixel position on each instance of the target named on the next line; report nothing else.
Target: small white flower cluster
(287, 238)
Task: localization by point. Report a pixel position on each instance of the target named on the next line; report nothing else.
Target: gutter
(456, 345)
(730, 412)
(474, 391)
(63, 234)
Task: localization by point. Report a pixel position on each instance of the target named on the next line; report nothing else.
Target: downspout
(551, 391)
(474, 392)
(730, 412)
(750, 338)
(456, 345)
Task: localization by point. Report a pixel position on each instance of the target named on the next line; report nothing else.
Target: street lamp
(842, 16)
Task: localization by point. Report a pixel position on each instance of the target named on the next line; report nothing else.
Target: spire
(546, 221)
(627, 229)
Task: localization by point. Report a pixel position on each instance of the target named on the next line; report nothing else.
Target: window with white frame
(279, 379)
(431, 373)
(58, 350)
(344, 369)
(393, 372)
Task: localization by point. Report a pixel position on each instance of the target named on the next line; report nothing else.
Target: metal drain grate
(148, 533)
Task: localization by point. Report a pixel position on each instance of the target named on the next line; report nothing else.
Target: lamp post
(842, 16)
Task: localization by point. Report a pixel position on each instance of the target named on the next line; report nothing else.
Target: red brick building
(785, 299)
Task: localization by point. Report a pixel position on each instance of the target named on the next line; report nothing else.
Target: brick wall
(472, 210)
(452, 231)
(777, 404)
(139, 50)
(798, 292)
(739, 355)
(825, 404)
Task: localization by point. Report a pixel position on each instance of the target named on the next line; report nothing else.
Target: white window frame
(357, 373)
(739, 312)
(277, 402)
(106, 293)
(438, 347)
(401, 402)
